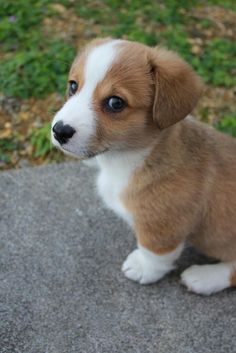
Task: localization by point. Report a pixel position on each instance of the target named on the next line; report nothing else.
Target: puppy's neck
(117, 161)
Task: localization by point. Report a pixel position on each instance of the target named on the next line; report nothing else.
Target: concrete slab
(62, 290)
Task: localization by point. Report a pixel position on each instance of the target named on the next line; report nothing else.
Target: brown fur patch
(186, 189)
(233, 279)
(177, 87)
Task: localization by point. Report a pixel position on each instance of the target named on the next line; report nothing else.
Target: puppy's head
(121, 94)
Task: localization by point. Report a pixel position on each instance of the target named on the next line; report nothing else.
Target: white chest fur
(116, 170)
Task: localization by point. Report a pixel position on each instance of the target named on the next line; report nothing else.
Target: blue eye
(114, 104)
(73, 86)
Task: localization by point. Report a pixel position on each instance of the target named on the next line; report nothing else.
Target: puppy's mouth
(73, 149)
(85, 154)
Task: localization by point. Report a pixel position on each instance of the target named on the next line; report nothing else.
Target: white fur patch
(145, 267)
(116, 169)
(207, 279)
(78, 110)
(77, 114)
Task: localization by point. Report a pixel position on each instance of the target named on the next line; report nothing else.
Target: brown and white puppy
(170, 177)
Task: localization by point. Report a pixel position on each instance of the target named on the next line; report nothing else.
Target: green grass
(7, 147)
(217, 64)
(40, 140)
(228, 125)
(19, 22)
(37, 72)
(35, 65)
(228, 4)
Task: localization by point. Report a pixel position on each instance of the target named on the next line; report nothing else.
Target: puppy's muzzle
(62, 133)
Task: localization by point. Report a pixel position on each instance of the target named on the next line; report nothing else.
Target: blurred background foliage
(38, 40)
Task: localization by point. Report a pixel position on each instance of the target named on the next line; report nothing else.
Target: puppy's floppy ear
(177, 87)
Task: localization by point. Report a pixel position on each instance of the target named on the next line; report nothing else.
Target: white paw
(141, 268)
(206, 279)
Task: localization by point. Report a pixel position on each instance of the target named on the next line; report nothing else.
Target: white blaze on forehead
(78, 110)
(99, 62)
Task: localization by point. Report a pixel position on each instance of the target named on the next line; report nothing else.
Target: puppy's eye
(73, 86)
(114, 104)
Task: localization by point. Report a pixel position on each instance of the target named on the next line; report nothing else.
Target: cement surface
(62, 290)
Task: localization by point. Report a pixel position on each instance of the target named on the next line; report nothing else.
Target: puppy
(170, 177)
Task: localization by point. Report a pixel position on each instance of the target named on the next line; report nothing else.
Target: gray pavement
(61, 287)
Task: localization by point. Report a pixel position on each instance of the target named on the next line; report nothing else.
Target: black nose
(62, 133)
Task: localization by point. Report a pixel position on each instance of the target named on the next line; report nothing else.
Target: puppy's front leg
(145, 266)
(162, 219)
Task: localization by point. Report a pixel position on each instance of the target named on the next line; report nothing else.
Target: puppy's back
(216, 234)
